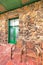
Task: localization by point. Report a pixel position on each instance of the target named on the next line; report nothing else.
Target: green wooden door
(13, 31)
(13, 35)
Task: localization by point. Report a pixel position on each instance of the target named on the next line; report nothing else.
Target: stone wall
(35, 11)
(32, 23)
(31, 16)
(3, 28)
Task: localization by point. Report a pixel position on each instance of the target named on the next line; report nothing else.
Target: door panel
(14, 32)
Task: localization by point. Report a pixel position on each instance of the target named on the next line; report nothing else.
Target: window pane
(17, 32)
(14, 22)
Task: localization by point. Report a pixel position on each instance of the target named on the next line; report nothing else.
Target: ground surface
(5, 57)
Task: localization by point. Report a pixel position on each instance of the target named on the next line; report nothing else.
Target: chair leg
(22, 55)
(11, 53)
(21, 58)
(12, 50)
(26, 56)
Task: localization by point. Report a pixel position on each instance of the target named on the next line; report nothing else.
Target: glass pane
(17, 32)
(14, 22)
(11, 22)
(11, 33)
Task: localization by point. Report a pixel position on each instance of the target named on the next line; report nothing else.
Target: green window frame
(13, 30)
